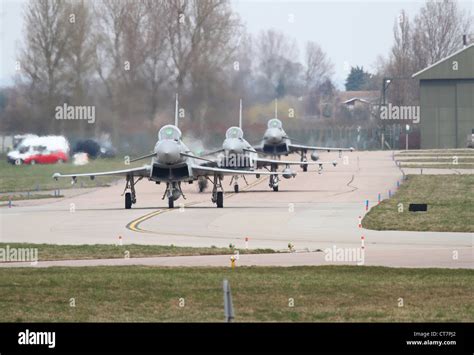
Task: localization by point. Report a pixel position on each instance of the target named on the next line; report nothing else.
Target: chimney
(464, 41)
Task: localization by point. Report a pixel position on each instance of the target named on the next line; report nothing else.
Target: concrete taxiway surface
(313, 211)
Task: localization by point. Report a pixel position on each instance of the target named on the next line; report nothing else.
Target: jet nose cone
(168, 153)
(233, 147)
(273, 136)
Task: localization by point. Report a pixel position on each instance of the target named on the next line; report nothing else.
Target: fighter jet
(172, 163)
(276, 142)
(237, 153)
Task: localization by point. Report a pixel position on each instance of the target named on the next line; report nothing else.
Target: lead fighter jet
(172, 163)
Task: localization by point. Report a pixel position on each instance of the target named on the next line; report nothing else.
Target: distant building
(353, 99)
(447, 101)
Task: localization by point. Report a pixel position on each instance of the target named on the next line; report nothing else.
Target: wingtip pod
(351, 149)
(56, 176)
(334, 162)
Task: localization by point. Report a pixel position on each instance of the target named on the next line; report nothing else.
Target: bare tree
(438, 31)
(80, 63)
(318, 66)
(401, 65)
(155, 69)
(202, 41)
(275, 53)
(42, 59)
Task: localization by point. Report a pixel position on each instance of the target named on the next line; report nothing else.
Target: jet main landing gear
(130, 197)
(304, 160)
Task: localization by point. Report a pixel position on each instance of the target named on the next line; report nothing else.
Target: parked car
(95, 149)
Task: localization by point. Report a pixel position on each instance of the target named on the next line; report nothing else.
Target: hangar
(447, 101)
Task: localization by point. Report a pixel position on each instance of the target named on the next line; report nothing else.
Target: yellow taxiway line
(134, 225)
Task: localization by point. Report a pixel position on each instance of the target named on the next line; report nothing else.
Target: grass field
(39, 177)
(32, 196)
(450, 200)
(104, 251)
(320, 294)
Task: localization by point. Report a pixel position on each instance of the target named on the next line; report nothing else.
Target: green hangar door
(447, 101)
(465, 111)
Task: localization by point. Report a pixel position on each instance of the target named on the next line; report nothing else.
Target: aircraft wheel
(275, 188)
(170, 202)
(220, 199)
(202, 183)
(128, 200)
(305, 167)
(236, 188)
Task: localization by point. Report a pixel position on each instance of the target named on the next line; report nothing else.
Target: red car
(46, 157)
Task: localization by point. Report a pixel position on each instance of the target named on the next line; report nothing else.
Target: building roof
(444, 68)
(371, 96)
(356, 99)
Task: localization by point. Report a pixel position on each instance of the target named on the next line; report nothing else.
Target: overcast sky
(350, 32)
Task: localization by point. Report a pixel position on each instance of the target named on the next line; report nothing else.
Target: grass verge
(320, 294)
(39, 177)
(450, 200)
(438, 166)
(105, 251)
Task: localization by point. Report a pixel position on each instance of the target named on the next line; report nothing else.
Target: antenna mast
(240, 115)
(176, 112)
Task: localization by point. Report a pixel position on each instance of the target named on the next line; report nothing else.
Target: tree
(80, 58)
(275, 66)
(318, 66)
(43, 58)
(358, 79)
(403, 90)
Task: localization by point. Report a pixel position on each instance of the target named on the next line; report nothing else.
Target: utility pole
(228, 306)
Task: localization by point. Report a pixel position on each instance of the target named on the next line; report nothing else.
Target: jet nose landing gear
(218, 191)
(173, 192)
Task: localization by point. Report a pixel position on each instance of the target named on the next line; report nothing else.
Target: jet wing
(140, 171)
(298, 147)
(207, 170)
(264, 162)
(205, 154)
